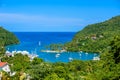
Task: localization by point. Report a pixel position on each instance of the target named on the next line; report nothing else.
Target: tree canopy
(6, 38)
(95, 37)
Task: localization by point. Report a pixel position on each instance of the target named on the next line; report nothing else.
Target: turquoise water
(34, 42)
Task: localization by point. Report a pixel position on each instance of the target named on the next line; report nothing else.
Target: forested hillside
(7, 38)
(108, 68)
(95, 37)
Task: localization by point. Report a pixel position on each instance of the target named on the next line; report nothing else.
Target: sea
(34, 42)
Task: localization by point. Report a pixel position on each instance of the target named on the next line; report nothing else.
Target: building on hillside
(4, 67)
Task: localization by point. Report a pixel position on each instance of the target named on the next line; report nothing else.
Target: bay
(34, 42)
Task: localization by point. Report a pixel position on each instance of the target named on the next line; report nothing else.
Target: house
(4, 67)
(94, 37)
(9, 54)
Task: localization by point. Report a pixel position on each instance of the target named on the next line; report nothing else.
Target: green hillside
(107, 68)
(7, 38)
(95, 37)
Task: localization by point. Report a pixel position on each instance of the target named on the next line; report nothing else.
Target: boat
(70, 58)
(96, 58)
(57, 55)
(39, 43)
(32, 56)
(80, 54)
(86, 53)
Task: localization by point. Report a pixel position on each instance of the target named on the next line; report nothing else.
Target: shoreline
(30, 55)
(57, 54)
(53, 51)
(61, 51)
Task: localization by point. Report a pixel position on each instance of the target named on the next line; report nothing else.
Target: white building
(4, 67)
(96, 58)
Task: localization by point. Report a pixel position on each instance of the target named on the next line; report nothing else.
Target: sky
(55, 15)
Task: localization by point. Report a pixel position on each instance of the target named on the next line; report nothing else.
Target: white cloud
(37, 19)
(23, 22)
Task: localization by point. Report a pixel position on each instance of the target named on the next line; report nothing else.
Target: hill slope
(95, 37)
(7, 38)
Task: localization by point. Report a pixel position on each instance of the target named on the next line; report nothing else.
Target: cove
(34, 42)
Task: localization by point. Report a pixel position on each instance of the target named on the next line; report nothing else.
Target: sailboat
(80, 55)
(70, 58)
(57, 55)
(39, 43)
(8, 49)
(33, 55)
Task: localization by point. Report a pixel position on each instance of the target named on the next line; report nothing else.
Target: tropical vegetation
(95, 37)
(108, 68)
(6, 38)
(91, 38)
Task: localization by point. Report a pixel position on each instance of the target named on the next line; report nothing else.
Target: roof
(2, 64)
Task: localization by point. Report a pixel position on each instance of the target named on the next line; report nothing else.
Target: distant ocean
(34, 42)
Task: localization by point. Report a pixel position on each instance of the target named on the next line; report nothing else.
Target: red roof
(2, 64)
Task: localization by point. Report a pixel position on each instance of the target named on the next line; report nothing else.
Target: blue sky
(55, 15)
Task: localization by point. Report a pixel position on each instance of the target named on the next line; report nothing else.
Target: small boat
(86, 53)
(39, 43)
(57, 55)
(32, 56)
(8, 49)
(80, 54)
(96, 58)
(70, 58)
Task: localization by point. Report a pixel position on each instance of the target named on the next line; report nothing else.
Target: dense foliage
(105, 69)
(6, 38)
(95, 37)
(108, 68)
(54, 47)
